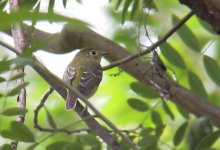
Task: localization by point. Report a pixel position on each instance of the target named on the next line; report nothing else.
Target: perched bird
(84, 73)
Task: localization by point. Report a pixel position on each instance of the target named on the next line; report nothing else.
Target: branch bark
(20, 45)
(206, 10)
(73, 38)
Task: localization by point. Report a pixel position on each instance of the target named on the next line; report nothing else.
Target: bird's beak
(105, 52)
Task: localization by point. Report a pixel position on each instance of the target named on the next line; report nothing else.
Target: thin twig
(151, 48)
(36, 112)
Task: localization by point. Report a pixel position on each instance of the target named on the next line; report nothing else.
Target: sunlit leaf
(137, 104)
(18, 131)
(208, 141)
(125, 10)
(17, 76)
(50, 119)
(167, 110)
(179, 135)
(196, 84)
(89, 139)
(187, 35)
(143, 90)
(212, 68)
(3, 3)
(172, 55)
(17, 89)
(73, 146)
(56, 145)
(14, 111)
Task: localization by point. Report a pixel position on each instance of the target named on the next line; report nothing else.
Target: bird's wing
(90, 80)
(69, 75)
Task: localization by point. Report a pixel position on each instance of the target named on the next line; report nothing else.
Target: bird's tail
(70, 101)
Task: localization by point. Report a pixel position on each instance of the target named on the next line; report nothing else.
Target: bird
(84, 73)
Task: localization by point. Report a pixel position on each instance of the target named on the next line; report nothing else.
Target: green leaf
(89, 139)
(196, 84)
(72, 146)
(3, 4)
(6, 147)
(134, 9)
(187, 35)
(17, 76)
(179, 135)
(149, 142)
(199, 129)
(212, 68)
(206, 25)
(18, 131)
(50, 119)
(146, 131)
(57, 145)
(32, 146)
(137, 104)
(2, 79)
(167, 110)
(156, 118)
(15, 111)
(124, 10)
(118, 4)
(17, 89)
(5, 65)
(208, 141)
(172, 55)
(184, 113)
(64, 3)
(51, 6)
(144, 91)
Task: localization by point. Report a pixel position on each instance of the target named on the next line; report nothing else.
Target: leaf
(184, 113)
(167, 110)
(146, 131)
(72, 146)
(137, 104)
(5, 65)
(172, 55)
(118, 4)
(179, 135)
(124, 10)
(156, 118)
(2, 79)
(57, 145)
(32, 146)
(17, 76)
(196, 84)
(51, 6)
(144, 91)
(89, 139)
(208, 141)
(212, 68)
(50, 119)
(3, 4)
(198, 131)
(187, 35)
(19, 132)
(6, 147)
(17, 89)
(15, 111)
(206, 25)
(149, 142)
(64, 3)
(134, 9)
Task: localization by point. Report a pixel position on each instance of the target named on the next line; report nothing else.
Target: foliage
(151, 121)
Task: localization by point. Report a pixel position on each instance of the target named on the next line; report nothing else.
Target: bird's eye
(93, 52)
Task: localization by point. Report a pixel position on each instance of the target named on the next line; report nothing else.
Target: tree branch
(206, 10)
(20, 45)
(73, 37)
